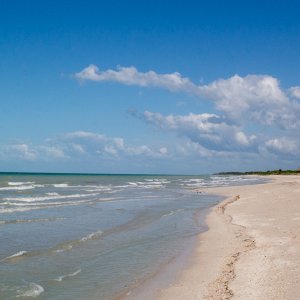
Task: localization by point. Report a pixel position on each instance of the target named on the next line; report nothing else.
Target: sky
(164, 87)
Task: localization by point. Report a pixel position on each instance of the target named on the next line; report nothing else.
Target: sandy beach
(251, 250)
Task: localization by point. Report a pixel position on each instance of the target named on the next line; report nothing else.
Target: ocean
(96, 236)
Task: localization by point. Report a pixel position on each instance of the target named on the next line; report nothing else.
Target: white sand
(252, 247)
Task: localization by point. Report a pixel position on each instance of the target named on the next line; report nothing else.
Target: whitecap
(98, 189)
(91, 236)
(171, 213)
(49, 197)
(14, 183)
(18, 254)
(61, 185)
(52, 194)
(17, 188)
(61, 278)
(64, 248)
(33, 206)
(31, 220)
(33, 290)
(68, 246)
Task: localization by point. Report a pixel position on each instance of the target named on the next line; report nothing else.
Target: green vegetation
(273, 172)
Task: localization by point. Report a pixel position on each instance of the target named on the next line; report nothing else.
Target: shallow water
(95, 236)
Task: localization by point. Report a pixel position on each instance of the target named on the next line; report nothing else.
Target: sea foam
(17, 188)
(18, 254)
(91, 236)
(61, 278)
(33, 290)
(62, 185)
(48, 197)
(68, 246)
(14, 183)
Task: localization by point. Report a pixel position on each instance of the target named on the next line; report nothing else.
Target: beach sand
(252, 247)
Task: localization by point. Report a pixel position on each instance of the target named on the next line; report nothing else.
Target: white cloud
(163, 150)
(131, 76)
(22, 151)
(51, 152)
(102, 144)
(242, 104)
(255, 98)
(283, 145)
(80, 145)
(85, 135)
(32, 153)
(78, 148)
(208, 130)
(295, 91)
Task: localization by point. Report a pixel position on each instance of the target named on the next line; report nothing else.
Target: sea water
(95, 236)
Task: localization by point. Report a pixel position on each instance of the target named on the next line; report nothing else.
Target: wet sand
(252, 247)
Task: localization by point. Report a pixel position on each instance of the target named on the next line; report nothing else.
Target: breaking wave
(32, 290)
(16, 255)
(61, 278)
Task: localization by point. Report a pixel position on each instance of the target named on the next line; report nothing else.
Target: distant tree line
(270, 172)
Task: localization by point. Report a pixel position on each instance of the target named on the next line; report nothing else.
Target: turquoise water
(95, 236)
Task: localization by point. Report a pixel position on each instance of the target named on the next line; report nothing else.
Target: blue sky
(137, 87)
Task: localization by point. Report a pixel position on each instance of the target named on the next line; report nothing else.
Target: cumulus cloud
(80, 145)
(283, 145)
(131, 76)
(24, 151)
(93, 143)
(242, 103)
(295, 91)
(256, 98)
(208, 130)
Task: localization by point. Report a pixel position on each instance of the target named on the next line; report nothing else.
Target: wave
(61, 278)
(31, 221)
(48, 204)
(213, 181)
(148, 185)
(63, 248)
(172, 212)
(35, 206)
(91, 236)
(16, 255)
(60, 248)
(52, 194)
(62, 185)
(49, 197)
(98, 189)
(69, 245)
(33, 290)
(14, 183)
(17, 188)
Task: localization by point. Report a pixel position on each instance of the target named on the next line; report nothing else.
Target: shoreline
(250, 250)
(148, 288)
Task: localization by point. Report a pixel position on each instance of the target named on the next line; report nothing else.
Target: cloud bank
(255, 98)
(80, 144)
(242, 104)
(209, 130)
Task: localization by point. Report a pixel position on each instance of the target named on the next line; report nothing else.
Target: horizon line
(96, 174)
